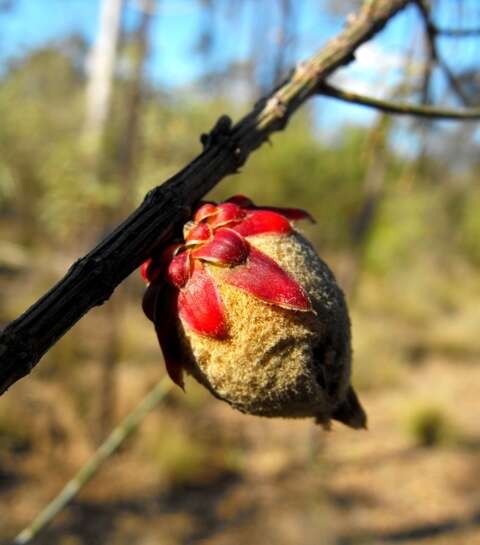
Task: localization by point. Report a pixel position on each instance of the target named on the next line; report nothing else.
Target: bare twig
(458, 32)
(431, 112)
(119, 434)
(434, 57)
(431, 50)
(92, 279)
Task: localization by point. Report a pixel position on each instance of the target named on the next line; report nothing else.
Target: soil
(291, 482)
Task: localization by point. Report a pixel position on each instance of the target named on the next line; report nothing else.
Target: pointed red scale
(228, 212)
(227, 248)
(200, 232)
(262, 277)
(200, 306)
(205, 211)
(293, 214)
(160, 306)
(258, 222)
(179, 270)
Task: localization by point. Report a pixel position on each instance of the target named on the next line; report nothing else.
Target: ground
(282, 481)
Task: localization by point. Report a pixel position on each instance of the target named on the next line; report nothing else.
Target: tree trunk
(101, 70)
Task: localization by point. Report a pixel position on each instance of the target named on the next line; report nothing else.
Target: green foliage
(50, 182)
(428, 425)
(401, 231)
(469, 227)
(13, 437)
(41, 106)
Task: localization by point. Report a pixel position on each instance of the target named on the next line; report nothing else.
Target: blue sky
(31, 24)
(172, 61)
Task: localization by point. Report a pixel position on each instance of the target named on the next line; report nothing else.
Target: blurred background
(101, 100)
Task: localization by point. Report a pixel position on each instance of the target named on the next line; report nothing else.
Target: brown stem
(434, 56)
(92, 279)
(458, 32)
(392, 107)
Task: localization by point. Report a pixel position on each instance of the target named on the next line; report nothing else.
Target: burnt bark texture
(92, 279)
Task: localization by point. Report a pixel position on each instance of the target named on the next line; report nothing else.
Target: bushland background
(397, 204)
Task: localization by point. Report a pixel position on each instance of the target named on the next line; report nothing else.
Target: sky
(378, 69)
(29, 25)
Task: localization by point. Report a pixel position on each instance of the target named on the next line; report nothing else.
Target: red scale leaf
(260, 222)
(200, 232)
(262, 277)
(160, 306)
(180, 268)
(227, 248)
(200, 306)
(228, 212)
(195, 298)
(205, 211)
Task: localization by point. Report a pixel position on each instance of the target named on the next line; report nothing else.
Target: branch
(119, 434)
(92, 279)
(431, 50)
(434, 30)
(458, 32)
(434, 56)
(431, 112)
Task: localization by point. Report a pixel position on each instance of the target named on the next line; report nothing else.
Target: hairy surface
(275, 361)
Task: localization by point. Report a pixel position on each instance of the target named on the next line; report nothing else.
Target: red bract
(180, 285)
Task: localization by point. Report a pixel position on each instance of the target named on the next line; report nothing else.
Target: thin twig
(434, 57)
(457, 32)
(92, 279)
(431, 51)
(431, 112)
(119, 434)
